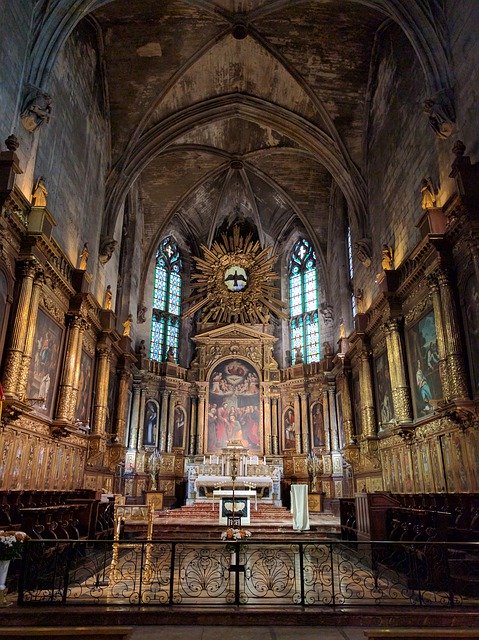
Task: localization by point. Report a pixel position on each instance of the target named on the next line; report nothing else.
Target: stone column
(13, 362)
(326, 420)
(305, 430)
(122, 407)
(267, 422)
(274, 426)
(65, 393)
(400, 390)
(101, 391)
(297, 423)
(201, 418)
(440, 335)
(367, 399)
(193, 425)
(171, 419)
(30, 335)
(333, 419)
(135, 415)
(163, 419)
(76, 376)
(454, 354)
(347, 409)
(100, 407)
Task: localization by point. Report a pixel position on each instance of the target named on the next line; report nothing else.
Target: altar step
(200, 522)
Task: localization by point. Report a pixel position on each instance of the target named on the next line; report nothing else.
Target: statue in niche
(170, 355)
(428, 196)
(141, 314)
(107, 247)
(141, 349)
(439, 121)
(83, 260)
(363, 251)
(327, 349)
(359, 296)
(127, 325)
(326, 311)
(37, 111)
(387, 259)
(39, 194)
(342, 329)
(298, 355)
(108, 299)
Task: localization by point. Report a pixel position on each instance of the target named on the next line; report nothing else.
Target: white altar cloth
(225, 482)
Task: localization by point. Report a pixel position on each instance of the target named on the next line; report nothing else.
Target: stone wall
(73, 151)
(401, 151)
(14, 43)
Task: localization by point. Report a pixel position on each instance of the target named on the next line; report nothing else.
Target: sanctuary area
(239, 275)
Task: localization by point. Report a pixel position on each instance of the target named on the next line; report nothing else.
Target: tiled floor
(247, 633)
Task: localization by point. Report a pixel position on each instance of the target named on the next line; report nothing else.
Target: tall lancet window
(349, 243)
(165, 324)
(303, 303)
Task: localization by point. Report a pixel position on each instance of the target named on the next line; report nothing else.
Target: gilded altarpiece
(235, 362)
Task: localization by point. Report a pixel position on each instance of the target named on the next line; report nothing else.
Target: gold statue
(107, 302)
(84, 257)
(428, 196)
(39, 194)
(387, 260)
(127, 325)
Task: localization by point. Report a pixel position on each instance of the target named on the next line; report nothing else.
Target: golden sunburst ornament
(233, 283)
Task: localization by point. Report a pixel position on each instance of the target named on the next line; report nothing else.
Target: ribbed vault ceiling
(310, 58)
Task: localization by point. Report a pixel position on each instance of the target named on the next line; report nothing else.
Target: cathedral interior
(242, 224)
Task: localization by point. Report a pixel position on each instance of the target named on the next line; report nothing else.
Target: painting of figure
(179, 427)
(289, 429)
(233, 406)
(151, 421)
(42, 377)
(424, 365)
(317, 424)
(384, 398)
(471, 313)
(84, 389)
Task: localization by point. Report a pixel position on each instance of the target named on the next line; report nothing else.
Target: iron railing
(299, 573)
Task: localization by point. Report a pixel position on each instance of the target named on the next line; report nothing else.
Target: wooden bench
(422, 634)
(54, 633)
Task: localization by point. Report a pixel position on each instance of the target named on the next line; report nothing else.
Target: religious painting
(339, 415)
(42, 377)
(84, 388)
(179, 420)
(150, 423)
(317, 425)
(384, 397)
(111, 402)
(424, 365)
(471, 313)
(234, 407)
(289, 429)
(3, 302)
(356, 397)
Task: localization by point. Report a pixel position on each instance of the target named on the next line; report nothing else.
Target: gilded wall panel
(437, 466)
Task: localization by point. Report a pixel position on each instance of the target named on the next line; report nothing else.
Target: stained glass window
(354, 309)
(165, 324)
(303, 302)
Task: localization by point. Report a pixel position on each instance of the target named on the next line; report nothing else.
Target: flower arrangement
(235, 534)
(11, 544)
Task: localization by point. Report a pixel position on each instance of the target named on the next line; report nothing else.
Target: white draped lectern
(299, 507)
